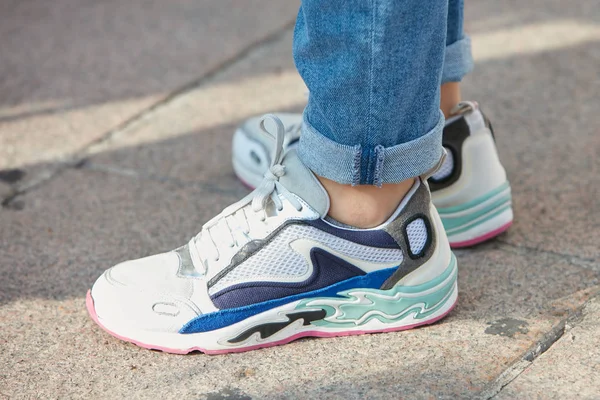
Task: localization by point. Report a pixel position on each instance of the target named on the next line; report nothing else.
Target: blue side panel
(327, 270)
(222, 318)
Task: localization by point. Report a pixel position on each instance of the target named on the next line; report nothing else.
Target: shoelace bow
(235, 219)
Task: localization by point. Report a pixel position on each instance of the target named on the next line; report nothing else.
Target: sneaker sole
(483, 238)
(411, 307)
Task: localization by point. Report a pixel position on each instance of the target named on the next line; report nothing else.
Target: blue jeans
(373, 70)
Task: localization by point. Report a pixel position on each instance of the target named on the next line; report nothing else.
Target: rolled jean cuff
(458, 60)
(345, 164)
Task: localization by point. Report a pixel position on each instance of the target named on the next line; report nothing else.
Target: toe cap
(146, 294)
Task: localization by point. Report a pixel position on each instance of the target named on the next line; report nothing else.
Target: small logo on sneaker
(271, 328)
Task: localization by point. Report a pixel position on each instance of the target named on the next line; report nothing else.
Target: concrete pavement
(115, 129)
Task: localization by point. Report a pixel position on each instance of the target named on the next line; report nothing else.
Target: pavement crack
(540, 347)
(40, 179)
(133, 121)
(80, 157)
(113, 170)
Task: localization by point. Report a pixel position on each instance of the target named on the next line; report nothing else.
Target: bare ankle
(364, 206)
(450, 97)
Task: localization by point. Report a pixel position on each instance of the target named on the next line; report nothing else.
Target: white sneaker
(270, 269)
(470, 190)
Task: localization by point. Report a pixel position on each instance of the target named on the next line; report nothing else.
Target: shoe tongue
(300, 180)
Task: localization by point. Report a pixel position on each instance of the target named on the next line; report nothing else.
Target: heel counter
(419, 217)
(441, 256)
(479, 167)
(456, 132)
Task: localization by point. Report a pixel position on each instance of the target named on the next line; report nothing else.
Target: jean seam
(371, 74)
(379, 160)
(369, 176)
(356, 167)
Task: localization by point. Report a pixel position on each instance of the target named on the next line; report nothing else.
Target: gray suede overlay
(186, 266)
(418, 205)
(299, 180)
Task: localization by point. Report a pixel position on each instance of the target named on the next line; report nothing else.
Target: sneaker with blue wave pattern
(271, 268)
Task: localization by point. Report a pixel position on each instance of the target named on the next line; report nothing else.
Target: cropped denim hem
(458, 60)
(343, 163)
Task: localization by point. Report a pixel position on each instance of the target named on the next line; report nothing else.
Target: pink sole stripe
(90, 307)
(482, 238)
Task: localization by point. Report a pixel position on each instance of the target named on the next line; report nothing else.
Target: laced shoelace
(233, 226)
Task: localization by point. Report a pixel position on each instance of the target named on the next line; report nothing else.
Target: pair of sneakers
(272, 268)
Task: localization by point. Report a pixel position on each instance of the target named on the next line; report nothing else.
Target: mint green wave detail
(467, 227)
(391, 303)
(452, 223)
(475, 202)
(458, 224)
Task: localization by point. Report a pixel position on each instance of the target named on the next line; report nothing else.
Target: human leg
(273, 267)
(471, 178)
(471, 189)
(370, 118)
(458, 60)
(373, 109)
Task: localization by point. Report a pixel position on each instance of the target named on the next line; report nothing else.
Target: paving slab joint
(517, 368)
(190, 86)
(10, 194)
(11, 200)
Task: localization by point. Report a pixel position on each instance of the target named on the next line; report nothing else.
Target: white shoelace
(232, 228)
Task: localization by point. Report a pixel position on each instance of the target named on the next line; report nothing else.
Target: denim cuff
(458, 60)
(343, 164)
